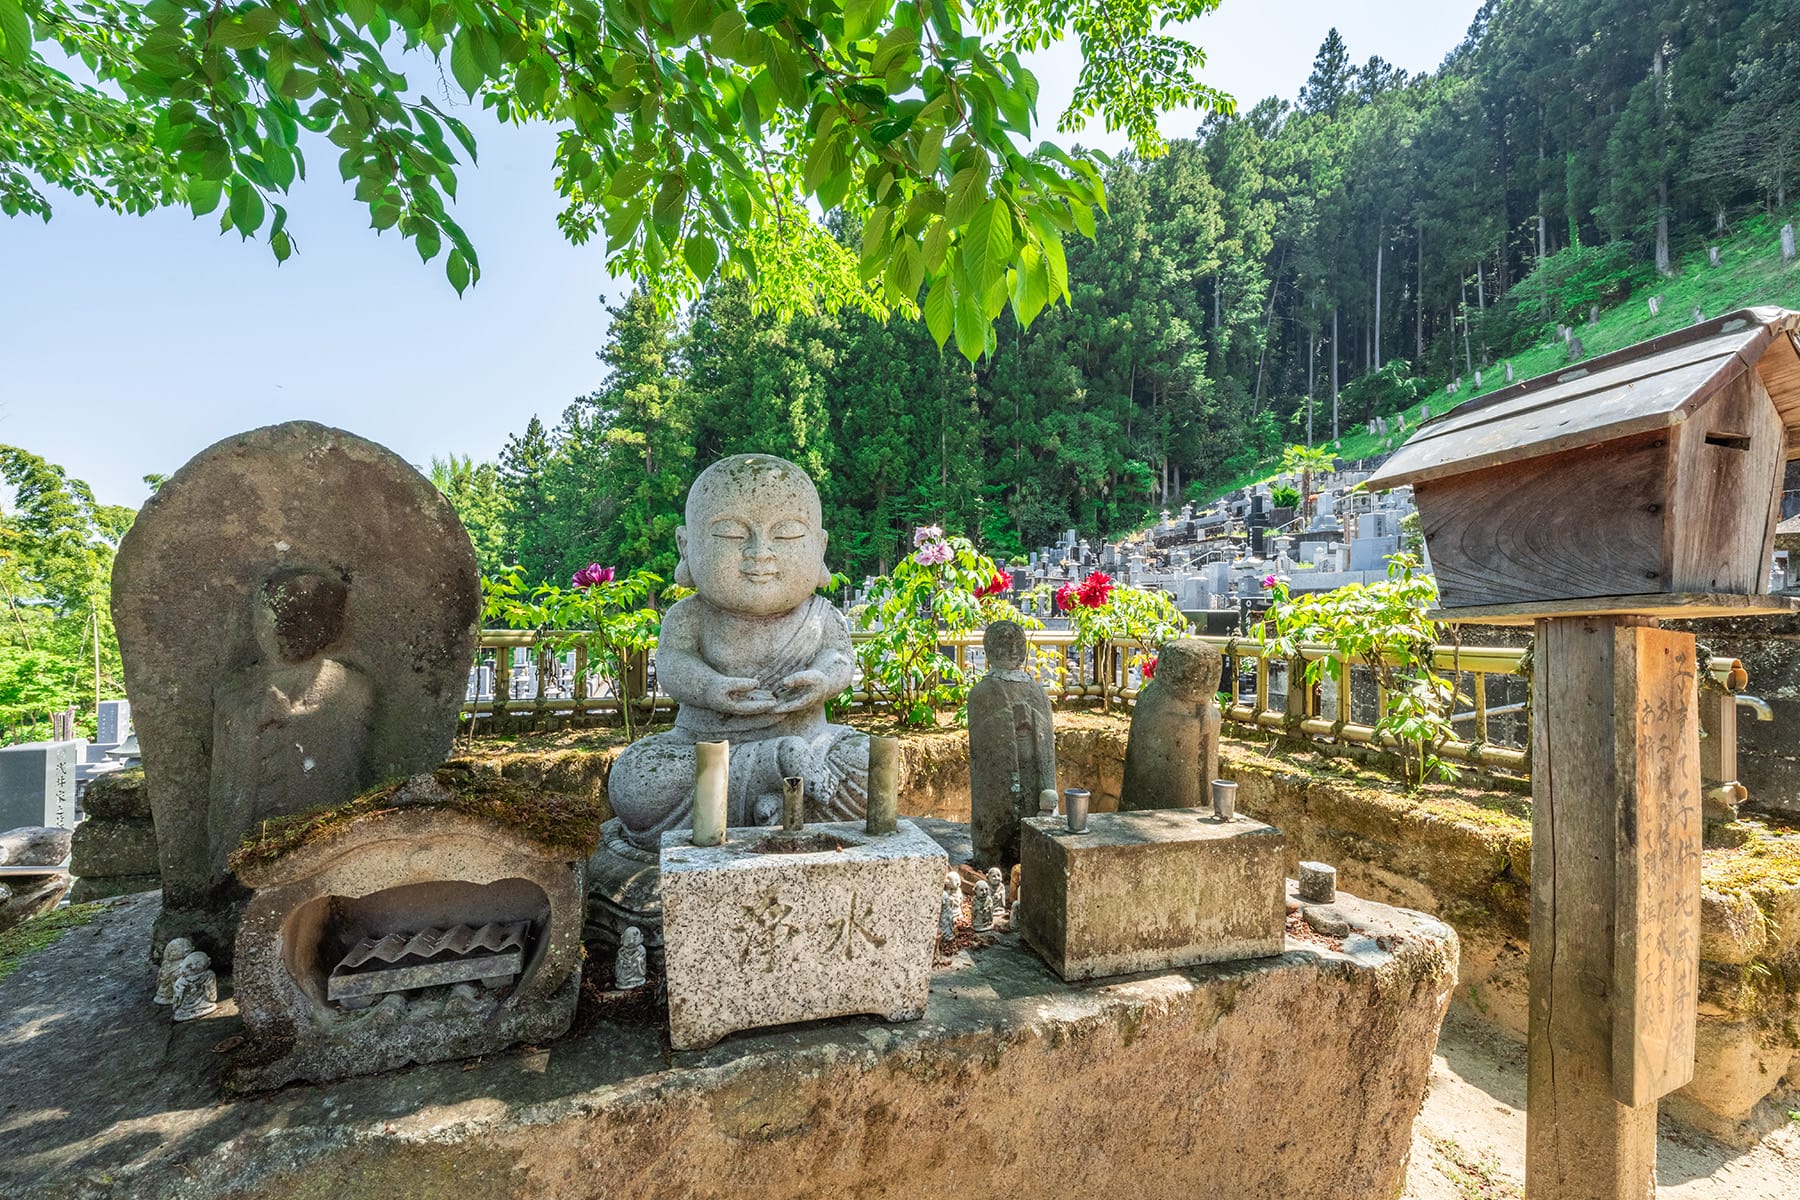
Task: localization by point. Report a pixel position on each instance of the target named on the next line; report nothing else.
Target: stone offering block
(845, 923)
(1146, 891)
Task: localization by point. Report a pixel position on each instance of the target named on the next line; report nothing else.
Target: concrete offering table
(1145, 891)
(775, 927)
(1284, 1078)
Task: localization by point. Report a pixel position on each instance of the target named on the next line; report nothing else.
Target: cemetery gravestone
(37, 784)
(297, 608)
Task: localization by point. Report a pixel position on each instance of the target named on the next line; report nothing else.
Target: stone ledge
(1014, 1083)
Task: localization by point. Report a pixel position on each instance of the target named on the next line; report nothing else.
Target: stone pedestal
(773, 928)
(1146, 891)
(37, 784)
(1287, 1078)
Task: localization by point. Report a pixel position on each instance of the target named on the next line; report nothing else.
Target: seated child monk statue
(752, 658)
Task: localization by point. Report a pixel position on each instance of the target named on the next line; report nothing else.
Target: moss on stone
(553, 820)
(38, 933)
(1767, 862)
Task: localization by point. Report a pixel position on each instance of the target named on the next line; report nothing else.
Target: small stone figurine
(176, 950)
(629, 966)
(951, 908)
(997, 886)
(196, 988)
(982, 911)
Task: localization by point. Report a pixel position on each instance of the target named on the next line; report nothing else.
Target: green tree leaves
(694, 133)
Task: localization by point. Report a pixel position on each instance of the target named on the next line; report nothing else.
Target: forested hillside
(1369, 239)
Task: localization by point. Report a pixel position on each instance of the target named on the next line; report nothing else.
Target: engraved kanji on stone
(765, 929)
(850, 930)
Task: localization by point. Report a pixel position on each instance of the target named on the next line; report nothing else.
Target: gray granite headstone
(37, 784)
(297, 608)
(112, 721)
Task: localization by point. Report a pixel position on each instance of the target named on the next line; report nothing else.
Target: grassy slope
(1750, 272)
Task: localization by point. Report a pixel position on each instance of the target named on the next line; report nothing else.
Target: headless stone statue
(1172, 754)
(752, 658)
(1012, 747)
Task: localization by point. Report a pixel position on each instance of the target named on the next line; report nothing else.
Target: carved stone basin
(406, 933)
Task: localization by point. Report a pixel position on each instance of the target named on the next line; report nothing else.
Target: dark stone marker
(1172, 754)
(297, 609)
(1012, 747)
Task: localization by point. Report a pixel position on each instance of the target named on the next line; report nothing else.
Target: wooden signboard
(1656, 919)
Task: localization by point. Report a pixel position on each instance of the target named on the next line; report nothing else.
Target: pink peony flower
(932, 553)
(927, 533)
(590, 575)
(1269, 582)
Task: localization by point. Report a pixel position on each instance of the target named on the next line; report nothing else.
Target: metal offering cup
(1224, 797)
(1075, 803)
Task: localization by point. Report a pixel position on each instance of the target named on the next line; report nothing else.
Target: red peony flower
(1149, 670)
(1001, 582)
(1065, 597)
(1094, 590)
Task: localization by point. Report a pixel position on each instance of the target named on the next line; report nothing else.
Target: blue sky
(127, 344)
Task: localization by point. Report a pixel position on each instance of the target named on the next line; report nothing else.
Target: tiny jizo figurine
(997, 888)
(629, 965)
(950, 910)
(1172, 753)
(176, 950)
(1012, 746)
(981, 918)
(196, 988)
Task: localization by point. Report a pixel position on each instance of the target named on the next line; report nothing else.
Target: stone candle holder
(772, 927)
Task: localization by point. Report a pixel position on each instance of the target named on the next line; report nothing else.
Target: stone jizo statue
(629, 965)
(196, 988)
(1012, 747)
(1172, 752)
(752, 658)
(997, 886)
(981, 909)
(176, 950)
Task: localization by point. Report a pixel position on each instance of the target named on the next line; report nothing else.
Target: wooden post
(1615, 900)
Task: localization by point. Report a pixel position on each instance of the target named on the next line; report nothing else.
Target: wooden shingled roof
(1653, 385)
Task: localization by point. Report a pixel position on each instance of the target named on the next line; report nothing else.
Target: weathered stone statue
(752, 658)
(629, 964)
(176, 950)
(997, 886)
(981, 909)
(196, 988)
(1172, 754)
(1012, 747)
(297, 609)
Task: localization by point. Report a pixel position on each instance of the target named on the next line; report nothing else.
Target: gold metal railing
(1257, 689)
